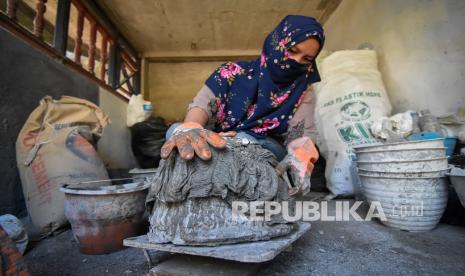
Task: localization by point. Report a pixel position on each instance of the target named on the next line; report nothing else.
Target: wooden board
(181, 264)
(253, 252)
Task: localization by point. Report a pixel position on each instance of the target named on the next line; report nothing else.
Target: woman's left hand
(300, 159)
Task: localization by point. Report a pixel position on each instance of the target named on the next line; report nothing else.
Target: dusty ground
(330, 248)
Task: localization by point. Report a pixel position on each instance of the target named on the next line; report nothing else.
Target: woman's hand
(300, 159)
(191, 138)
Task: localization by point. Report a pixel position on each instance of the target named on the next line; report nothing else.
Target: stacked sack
(350, 96)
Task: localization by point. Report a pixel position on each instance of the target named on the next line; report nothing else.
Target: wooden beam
(174, 59)
(91, 52)
(97, 12)
(203, 53)
(328, 6)
(78, 44)
(103, 56)
(60, 38)
(129, 61)
(11, 8)
(143, 73)
(127, 79)
(39, 18)
(25, 35)
(136, 80)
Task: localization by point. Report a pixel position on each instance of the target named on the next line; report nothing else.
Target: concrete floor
(329, 248)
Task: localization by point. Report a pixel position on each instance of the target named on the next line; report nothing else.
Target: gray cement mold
(192, 199)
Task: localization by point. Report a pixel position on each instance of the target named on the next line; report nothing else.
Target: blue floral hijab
(260, 96)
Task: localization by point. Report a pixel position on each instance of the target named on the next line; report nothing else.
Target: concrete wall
(115, 145)
(420, 45)
(26, 76)
(171, 86)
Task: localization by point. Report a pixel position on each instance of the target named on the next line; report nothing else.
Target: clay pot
(103, 215)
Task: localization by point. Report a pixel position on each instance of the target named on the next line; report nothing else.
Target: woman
(260, 100)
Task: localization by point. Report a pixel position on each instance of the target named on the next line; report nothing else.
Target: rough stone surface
(191, 200)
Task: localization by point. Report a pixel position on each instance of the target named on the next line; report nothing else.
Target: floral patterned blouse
(301, 124)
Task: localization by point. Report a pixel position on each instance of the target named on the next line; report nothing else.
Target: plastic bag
(147, 138)
(394, 128)
(138, 110)
(350, 96)
(15, 229)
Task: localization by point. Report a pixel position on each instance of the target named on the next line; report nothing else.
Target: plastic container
(408, 180)
(405, 166)
(424, 136)
(450, 143)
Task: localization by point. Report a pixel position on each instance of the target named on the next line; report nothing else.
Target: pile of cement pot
(408, 179)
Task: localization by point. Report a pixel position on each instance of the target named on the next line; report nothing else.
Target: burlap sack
(55, 147)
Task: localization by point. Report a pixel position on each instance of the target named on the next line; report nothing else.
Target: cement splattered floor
(368, 248)
(330, 248)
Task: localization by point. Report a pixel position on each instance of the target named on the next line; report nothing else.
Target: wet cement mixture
(191, 200)
(329, 248)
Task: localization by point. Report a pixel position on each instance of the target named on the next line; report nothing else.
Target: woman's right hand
(301, 156)
(192, 138)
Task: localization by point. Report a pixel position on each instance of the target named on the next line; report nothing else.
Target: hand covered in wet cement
(191, 138)
(300, 159)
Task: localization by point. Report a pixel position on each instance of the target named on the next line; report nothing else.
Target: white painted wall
(420, 46)
(115, 145)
